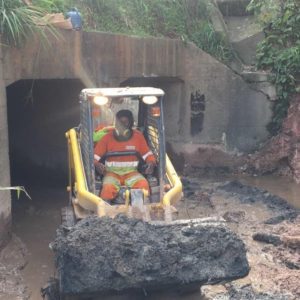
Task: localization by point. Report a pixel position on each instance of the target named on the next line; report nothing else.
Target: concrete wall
(234, 114)
(5, 205)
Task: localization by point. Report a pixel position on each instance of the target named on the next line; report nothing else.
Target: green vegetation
(279, 52)
(18, 21)
(188, 20)
(184, 19)
(18, 189)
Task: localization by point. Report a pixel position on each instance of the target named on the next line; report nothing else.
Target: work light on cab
(150, 100)
(100, 100)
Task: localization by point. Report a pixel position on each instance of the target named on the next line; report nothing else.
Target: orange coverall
(122, 170)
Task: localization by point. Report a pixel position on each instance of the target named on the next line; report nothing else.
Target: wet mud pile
(104, 255)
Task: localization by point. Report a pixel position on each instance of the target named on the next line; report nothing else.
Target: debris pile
(104, 255)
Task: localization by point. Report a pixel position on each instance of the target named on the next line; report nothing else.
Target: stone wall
(5, 205)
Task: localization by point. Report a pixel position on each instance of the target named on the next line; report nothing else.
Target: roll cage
(150, 120)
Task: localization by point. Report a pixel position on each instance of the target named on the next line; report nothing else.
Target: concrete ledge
(246, 49)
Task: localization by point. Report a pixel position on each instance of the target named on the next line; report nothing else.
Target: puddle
(280, 186)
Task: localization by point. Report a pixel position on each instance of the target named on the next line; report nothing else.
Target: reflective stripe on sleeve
(97, 157)
(147, 154)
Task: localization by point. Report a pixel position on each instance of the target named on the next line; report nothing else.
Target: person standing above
(76, 18)
(122, 170)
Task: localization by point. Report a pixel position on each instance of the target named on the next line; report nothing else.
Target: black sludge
(104, 255)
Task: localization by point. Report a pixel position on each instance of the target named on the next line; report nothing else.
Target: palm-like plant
(19, 20)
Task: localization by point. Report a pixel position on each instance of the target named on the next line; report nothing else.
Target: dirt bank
(281, 153)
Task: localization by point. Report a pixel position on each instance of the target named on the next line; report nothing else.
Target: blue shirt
(76, 19)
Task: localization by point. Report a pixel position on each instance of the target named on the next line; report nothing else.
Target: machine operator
(122, 170)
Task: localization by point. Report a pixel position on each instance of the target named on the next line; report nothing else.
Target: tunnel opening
(39, 114)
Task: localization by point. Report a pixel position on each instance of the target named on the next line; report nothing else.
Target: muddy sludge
(104, 255)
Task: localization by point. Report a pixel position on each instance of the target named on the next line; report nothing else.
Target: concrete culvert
(105, 256)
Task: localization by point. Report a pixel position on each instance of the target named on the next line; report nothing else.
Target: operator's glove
(100, 168)
(149, 168)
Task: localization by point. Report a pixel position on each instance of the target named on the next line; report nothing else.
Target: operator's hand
(100, 168)
(150, 168)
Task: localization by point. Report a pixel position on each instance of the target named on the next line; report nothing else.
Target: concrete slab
(244, 35)
(233, 7)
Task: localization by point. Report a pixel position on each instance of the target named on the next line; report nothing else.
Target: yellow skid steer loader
(98, 107)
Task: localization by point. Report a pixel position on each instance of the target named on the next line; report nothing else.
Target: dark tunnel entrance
(39, 114)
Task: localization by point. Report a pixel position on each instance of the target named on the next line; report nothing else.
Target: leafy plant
(18, 21)
(19, 189)
(51, 6)
(279, 52)
(188, 20)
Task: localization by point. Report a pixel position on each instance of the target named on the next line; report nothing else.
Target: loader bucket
(106, 255)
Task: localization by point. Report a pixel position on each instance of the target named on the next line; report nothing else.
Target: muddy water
(35, 222)
(282, 187)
